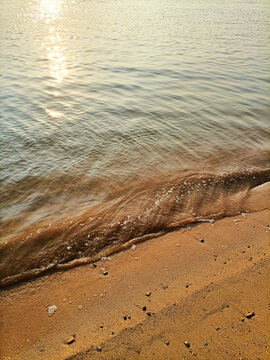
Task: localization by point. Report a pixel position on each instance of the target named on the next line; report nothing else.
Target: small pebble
(201, 240)
(236, 221)
(178, 245)
(148, 293)
(250, 315)
(80, 307)
(133, 247)
(70, 340)
(187, 344)
(99, 348)
(51, 310)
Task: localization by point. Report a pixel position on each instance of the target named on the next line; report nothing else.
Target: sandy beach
(199, 292)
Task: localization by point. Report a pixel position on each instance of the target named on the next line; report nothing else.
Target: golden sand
(170, 290)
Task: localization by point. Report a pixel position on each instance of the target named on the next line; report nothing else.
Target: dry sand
(167, 291)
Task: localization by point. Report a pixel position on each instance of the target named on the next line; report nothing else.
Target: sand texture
(145, 303)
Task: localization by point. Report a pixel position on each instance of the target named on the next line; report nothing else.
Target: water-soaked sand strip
(145, 208)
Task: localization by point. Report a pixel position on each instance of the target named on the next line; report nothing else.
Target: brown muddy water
(120, 120)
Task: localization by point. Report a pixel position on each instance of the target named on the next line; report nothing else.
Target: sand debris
(70, 340)
(250, 315)
(104, 271)
(236, 221)
(51, 310)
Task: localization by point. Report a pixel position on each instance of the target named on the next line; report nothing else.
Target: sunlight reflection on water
(116, 90)
(50, 11)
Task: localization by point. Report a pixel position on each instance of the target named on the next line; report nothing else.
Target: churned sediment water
(97, 97)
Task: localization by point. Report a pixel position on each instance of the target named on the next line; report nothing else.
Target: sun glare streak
(50, 9)
(50, 14)
(56, 56)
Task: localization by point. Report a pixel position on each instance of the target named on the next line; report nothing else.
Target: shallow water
(97, 95)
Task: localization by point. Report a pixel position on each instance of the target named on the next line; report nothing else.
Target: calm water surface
(94, 94)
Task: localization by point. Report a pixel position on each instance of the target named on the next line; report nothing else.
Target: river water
(100, 97)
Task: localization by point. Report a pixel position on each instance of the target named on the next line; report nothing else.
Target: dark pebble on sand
(105, 273)
(201, 240)
(148, 293)
(144, 308)
(167, 343)
(99, 348)
(187, 344)
(148, 314)
(250, 315)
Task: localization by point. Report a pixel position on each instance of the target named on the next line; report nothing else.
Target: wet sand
(147, 302)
